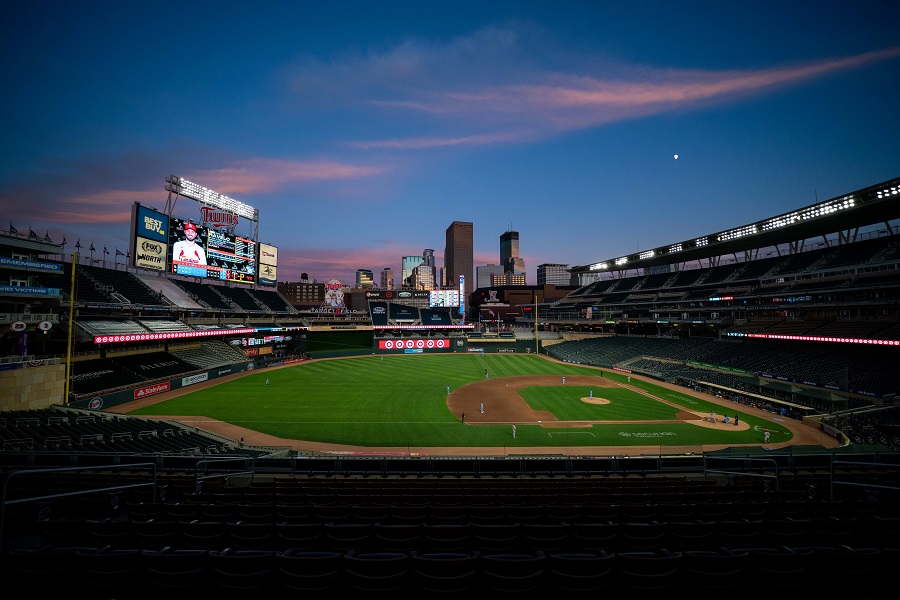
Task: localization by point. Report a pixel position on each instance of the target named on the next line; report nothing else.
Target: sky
(362, 130)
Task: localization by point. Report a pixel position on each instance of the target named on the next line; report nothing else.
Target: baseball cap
(190, 226)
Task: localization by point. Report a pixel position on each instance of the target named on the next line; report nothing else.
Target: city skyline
(360, 131)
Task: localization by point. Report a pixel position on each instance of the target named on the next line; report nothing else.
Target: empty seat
(513, 572)
(235, 574)
(376, 571)
(299, 536)
(496, 538)
(343, 537)
(580, 571)
(446, 537)
(174, 572)
(391, 537)
(648, 571)
(307, 571)
(716, 570)
(445, 572)
(250, 536)
(782, 569)
(547, 537)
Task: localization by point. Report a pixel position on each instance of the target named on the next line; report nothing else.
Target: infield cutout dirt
(503, 403)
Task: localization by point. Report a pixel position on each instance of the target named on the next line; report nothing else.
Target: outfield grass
(400, 400)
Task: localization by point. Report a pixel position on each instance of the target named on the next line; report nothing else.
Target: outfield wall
(105, 400)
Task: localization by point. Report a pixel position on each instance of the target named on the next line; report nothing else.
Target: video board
(211, 253)
(438, 298)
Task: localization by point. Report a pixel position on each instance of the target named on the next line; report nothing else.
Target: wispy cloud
(533, 104)
(261, 175)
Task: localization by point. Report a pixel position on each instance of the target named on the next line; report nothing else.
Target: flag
(92, 246)
(64, 241)
(105, 251)
(31, 233)
(119, 252)
(47, 237)
(492, 312)
(13, 229)
(78, 244)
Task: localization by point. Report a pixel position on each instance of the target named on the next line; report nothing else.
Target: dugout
(782, 407)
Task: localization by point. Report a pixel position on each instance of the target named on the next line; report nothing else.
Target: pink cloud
(520, 112)
(261, 175)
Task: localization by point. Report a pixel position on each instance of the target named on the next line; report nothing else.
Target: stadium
(755, 365)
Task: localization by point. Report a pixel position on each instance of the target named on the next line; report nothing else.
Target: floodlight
(197, 192)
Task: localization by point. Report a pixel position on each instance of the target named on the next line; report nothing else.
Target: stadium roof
(863, 208)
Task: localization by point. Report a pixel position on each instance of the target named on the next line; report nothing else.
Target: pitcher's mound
(590, 400)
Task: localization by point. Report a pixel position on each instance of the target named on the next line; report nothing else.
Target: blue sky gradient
(361, 130)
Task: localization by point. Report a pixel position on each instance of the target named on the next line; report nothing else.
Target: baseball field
(413, 404)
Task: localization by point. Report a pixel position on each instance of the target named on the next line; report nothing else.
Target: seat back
(376, 571)
(513, 572)
(307, 571)
(580, 571)
(445, 572)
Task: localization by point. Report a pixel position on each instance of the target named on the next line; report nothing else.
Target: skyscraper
(509, 253)
(509, 246)
(428, 257)
(387, 278)
(364, 278)
(407, 266)
(458, 255)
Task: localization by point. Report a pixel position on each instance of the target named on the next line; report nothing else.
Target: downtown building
(459, 256)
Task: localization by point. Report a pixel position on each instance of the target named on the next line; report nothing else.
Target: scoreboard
(228, 257)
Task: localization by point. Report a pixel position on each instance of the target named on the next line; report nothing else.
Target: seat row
(138, 574)
(484, 537)
(407, 510)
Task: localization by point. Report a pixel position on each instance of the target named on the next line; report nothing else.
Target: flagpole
(71, 333)
(537, 346)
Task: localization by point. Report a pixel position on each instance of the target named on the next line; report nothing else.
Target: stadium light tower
(178, 186)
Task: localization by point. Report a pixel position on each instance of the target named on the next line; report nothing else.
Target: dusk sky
(361, 130)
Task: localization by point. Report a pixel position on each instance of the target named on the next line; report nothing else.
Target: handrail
(745, 473)
(855, 484)
(13, 474)
(204, 465)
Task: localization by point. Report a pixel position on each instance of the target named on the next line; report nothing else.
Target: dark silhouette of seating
(716, 570)
(299, 536)
(376, 571)
(396, 537)
(513, 572)
(237, 574)
(445, 572)
(172, 572)
(308, 571)
(446, 537)
(580, 571)
(645, 572)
